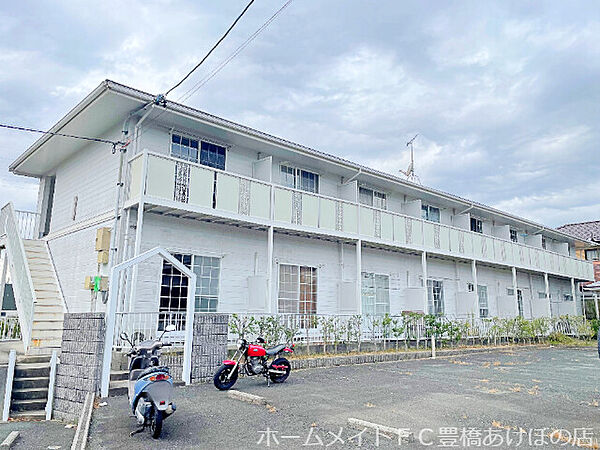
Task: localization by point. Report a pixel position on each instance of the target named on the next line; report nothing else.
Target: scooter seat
(275, 350)
(153, 369)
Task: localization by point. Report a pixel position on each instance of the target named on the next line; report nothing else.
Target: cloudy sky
(504, 95)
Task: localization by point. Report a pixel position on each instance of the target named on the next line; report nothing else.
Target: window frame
(200, 140)
(298, 292)
(375, 303)
(431, 309)
(595, 254)
(427, 209)
(374, 193)
(483, 288)
(478, 225)
(297, 178)
(514, 233)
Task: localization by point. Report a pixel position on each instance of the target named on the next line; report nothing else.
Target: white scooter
(150, 385)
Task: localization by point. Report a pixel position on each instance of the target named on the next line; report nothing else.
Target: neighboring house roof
(589, 231)
(141, 97)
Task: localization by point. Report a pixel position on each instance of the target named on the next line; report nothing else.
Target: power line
(212, 49)
(52, 133)
(236, 52)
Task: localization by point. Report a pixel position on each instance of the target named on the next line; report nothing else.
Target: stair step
(30, 383)
(30, 415)
(47, 325)
(28, 405)
(48, 309)
(46, 335)
(33, 359)
(118, 375)
(117, 388)
(46, 343)
(31, 370)
(30, 393)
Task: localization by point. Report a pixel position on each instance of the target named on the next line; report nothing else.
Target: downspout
(467, 210)
(353, 177)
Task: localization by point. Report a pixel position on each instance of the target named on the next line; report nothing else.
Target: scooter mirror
(170, 328)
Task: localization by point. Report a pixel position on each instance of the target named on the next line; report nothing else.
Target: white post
(189, 330)
(547, 287)
(475, 284)
(49, 403)
(515, 293)
(3, 270)
(111, 310)
(359, 275)
(10, 373)
(596, 304)
(574, 295)
(270, 244)
(432, 346)
(424, 271)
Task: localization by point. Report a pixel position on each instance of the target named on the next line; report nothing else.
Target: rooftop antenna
(410, 172)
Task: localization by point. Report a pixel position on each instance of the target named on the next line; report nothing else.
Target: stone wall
(80, 365)
(209, 347)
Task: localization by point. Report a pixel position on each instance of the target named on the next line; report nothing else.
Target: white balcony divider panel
(111, 313)
(327, 216)
(239, 195)
(21, 276)
(27, 222)
(162, 173)
(310, 210)
(135, 176)
(201, 187)
(283, 205)
(228, 193)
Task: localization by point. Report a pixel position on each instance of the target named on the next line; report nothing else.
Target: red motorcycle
(255, 362)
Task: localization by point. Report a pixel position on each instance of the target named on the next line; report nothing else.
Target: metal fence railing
(141, 326)
(27, 223)
(10, 330)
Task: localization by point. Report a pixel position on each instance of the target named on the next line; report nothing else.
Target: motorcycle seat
(153, 369)
(274, 350)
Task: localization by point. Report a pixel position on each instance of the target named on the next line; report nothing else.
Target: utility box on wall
(103, 240)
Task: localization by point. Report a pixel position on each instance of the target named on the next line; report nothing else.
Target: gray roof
(585, 230)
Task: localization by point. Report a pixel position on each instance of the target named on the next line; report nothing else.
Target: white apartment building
(271, 226)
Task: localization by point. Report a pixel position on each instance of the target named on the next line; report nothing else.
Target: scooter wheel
(220, 379)
(156, 424)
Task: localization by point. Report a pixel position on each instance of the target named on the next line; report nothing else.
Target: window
(297, 289)
(299, 179)
(207, 270)
(470, 287)
(174, 288)
(370, 197)
(435, 297)
(482, 295)
(542, 296)
(544, 242)
(520, 302)
(593, 255)
(375, 294)
(476, 225)
(510, 292)
(514, 236)
(567, 298)
(430, 213)
(206, 153)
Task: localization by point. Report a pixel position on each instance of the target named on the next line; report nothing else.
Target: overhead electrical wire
(212, 49)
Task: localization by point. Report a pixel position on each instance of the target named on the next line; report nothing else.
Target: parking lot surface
(512, 398)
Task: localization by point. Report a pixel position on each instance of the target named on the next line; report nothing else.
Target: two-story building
(272, 226)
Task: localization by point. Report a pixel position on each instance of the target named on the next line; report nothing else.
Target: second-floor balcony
(168, 184)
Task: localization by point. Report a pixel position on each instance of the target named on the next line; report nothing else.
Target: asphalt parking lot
(521, 395)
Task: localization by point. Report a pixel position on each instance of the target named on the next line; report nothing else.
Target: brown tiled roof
(583, 230)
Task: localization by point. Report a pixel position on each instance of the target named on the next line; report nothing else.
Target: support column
(270, 238)
(359, 275)
(596, 304)
(425, 276)
(3, 270)
(574, 294)
(515, 293)
(475, 283)
(547, 287)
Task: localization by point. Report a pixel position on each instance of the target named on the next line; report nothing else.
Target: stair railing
(20, 273)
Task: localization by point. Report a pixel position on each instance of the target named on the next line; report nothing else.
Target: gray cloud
(504, 95)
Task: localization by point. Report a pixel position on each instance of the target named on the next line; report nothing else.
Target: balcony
(171, 186)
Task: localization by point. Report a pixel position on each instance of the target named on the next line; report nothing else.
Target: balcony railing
(213, 191)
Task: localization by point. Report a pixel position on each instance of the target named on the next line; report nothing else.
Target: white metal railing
(27, 222)
(141, 326)
(206, 188)
(10, 329)
(21, 276)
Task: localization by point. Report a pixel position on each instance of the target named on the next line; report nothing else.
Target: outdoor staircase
(46, 332)
(30, 388)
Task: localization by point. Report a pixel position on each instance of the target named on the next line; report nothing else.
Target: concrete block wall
(80, 363)
(209, 347)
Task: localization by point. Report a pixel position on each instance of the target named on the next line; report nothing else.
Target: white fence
(141, 326)
(10, 329)
(27, 223)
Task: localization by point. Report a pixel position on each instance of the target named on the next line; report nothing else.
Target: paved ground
(504, 391)
(39, 435)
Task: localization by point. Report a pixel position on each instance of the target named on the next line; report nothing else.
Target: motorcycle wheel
(279, 378)
(220, 378)
(156, 423)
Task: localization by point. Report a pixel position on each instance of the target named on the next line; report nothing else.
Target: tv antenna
(410, 172)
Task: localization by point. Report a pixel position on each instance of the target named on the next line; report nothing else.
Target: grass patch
(560, 339)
